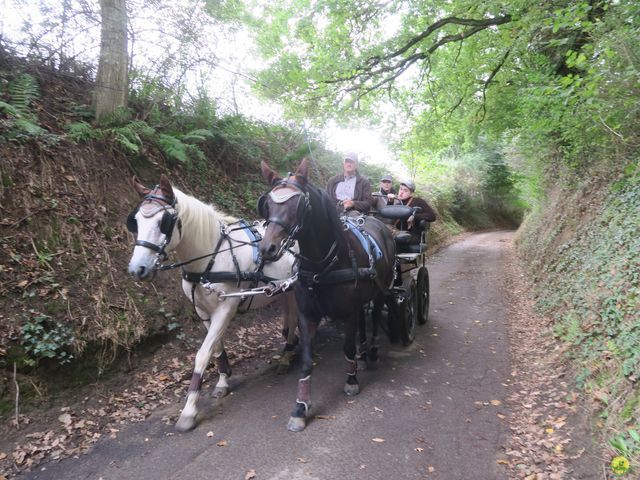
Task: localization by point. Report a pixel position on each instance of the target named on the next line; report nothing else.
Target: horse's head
(154, 222)
(285, 209)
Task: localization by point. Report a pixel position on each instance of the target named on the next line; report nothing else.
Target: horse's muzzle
(142, 272)
(271, 251)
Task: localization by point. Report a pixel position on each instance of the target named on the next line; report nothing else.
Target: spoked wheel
(408, 308)
(422, 286)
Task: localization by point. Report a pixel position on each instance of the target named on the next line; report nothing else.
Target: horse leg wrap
(196, 382)
(222, 363)
(304, 392)
(352, 366)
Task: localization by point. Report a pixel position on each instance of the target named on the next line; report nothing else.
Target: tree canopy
(556, 75)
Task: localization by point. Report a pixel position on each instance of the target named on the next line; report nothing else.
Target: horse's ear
(138, 187)
(269, 174)
(165, 186)
(302, 171)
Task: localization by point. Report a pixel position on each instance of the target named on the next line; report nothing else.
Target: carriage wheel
(422, 286)
(409, 312)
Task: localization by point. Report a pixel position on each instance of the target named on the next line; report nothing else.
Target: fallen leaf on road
(503, 462)
(363, 466)
(65, 418)
(418, 449)
(250, 474)
(496, 403)
(325, 417)
(302, 460)
(378, 409)
(222, 443)
(378, 440)
(430, 469)
(209, 434)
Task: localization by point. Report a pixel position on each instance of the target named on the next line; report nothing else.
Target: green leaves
(42, 337)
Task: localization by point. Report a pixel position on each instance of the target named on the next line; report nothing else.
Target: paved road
(438, 404)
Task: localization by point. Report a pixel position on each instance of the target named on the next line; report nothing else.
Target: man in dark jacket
(412, 225)
(350, 190)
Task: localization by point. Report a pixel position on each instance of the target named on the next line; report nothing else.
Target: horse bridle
(303, 210)
(167, 224)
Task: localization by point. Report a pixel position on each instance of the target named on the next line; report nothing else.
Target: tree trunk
(112, 82)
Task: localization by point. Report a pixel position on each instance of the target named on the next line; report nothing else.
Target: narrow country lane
(438, 405)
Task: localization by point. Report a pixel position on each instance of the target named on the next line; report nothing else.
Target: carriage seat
(402, 238)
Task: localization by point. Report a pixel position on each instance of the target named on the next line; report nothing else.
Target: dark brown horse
(341, 267)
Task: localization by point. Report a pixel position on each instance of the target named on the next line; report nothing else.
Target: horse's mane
(200, 218)
(329, 208)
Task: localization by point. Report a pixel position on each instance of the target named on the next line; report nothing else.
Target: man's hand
(347, 204)
(391, 196)
(410, 221)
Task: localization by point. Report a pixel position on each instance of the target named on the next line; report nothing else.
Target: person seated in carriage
(417, 222)
(350, 191)
(384, 197)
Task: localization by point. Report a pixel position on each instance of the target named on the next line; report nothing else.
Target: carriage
(407, 304)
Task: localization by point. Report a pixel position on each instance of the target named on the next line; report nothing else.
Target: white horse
(170, 220)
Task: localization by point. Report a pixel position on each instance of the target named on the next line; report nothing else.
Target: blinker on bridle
(302, 211)
(167, 224)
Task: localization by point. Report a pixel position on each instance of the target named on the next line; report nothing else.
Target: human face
(404, 193)
(385, 185)
(349, 166)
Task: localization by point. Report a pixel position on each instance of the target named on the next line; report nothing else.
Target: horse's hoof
(220, 392)
(296, 424)
(185, 424)
(351, 390)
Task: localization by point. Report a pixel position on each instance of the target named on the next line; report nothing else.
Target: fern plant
(83, 132)
(172, 147)
(21, 122)
(22, 92)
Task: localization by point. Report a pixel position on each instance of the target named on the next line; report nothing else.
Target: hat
(387, 178)
(409, 184)
(351, 156)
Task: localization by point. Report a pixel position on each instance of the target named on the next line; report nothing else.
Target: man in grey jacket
(350, 190)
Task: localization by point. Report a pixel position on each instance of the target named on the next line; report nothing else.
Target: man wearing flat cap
(350, 190)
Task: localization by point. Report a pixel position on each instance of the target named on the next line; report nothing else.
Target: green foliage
(21, 123)
(590, 282)
(22, 92)
(627, 444)
(172, 147)
(42, 337)
(83, 132)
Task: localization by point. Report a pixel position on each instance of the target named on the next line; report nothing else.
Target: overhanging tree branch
(469, 22)
(493, 73)
(378, 66)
